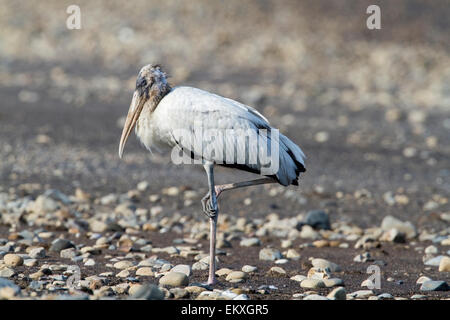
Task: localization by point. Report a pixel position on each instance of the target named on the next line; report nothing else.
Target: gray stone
(37, 253)
(7, 273)
(434, 261)
(389, 222)
(250, 242)
(323, 264)
(337, 294)
(269, 254)
(183, 268)
(318, 219)
(434, 286)
(5, 283)
(61, 244)
(175, 279)
(148, 292)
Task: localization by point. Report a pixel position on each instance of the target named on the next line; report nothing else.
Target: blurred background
(370, 108)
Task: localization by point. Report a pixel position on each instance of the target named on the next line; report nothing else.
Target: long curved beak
(133, 115)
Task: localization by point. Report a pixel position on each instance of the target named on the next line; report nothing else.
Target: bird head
(151, 86)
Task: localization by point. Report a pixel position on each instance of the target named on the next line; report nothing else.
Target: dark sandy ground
(388, 132)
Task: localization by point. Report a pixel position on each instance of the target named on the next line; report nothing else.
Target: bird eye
(141, 82)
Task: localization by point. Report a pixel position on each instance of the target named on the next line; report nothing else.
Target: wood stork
(163, 116)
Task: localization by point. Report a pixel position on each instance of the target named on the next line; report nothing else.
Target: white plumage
(187, 109)
(214, 130)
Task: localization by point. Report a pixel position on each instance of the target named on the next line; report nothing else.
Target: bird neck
(158, 92)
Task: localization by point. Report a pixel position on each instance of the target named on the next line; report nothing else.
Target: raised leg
(206, 204)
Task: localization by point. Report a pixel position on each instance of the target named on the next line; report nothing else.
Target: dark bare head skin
(151, 87)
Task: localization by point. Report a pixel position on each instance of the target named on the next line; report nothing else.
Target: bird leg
(211, 209)
(206, 204)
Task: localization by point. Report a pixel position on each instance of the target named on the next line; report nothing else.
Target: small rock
(175, 279)
(423, 279)
(123, 274)
(277, 271)
(298, 278)
(249, 269)
(444, 265)
(145, 271)
(337, 294)
(333, 282)
(7, 273)
(124, 264)
(250, 242)
(37, 253)
(318, 219)
(315, 297)
(431, 250)
(312, 283)
(292, 254)
(223, 272)
(61, 244)
(236, 275)
(434, 286)
(269, 254)
(179, 293)
(322, 263)
(389, 222)
(148, 292)
(361, 294)
(183, 268)
(13, 260)
(435, 262)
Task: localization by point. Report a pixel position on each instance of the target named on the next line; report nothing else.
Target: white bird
(179, 117)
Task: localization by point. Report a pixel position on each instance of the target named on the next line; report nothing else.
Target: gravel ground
(371, 110)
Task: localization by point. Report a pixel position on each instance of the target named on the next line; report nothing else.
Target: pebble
(431, 250)
(89, 263)
(298, 278)
(250, 242)
(13, 260)
(61, 244)
(123, 274)
(315, 297)
(292, 254)
(200, 266)
(236, 275)
(318, 219)
(124, 264)
(269, 254)
(145, 271)
(418, 296)
(337, 294)
(312, 283)
(423, 279)
(7, 273)
(434, 286)
(308, 232)
(30, 262)
(333, 282)
(322, 263)
(223, 272)
(389, 222)
(365, 257)
(361, 294)
(277, 271)
(179, 293)
(183, 268)
(249, 269)
(435, 262)
(444, 265)
(37, 253)
(175, 279)
(148, 292)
